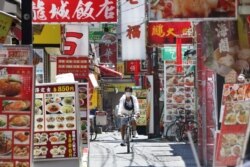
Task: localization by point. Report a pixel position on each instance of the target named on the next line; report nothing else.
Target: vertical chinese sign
(133, 27)
(79, 66)
(108, 53)
(220, 45)
(56, 122)
(16, 118)
(67, 11)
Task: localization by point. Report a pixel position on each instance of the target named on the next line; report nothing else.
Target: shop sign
(108, 53)
(16, 55)
(120, 67)
(131, 67)
(77, 11)
(169, 52)
(79, 66)
(5, 23)
(55, 127)
(133, 30)
(199, 9)
(97, 32)
(167, 32)
(75, 41)
(16, 115)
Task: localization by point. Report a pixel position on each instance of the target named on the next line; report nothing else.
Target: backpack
(127, 107)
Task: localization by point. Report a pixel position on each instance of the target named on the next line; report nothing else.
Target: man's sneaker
(134, 133)
(123, 143)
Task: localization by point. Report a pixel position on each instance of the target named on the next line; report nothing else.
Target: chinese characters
(74, 11)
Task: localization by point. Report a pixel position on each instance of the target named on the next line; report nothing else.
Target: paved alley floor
(107, 152)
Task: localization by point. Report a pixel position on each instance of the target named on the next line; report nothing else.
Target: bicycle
(177, 130)
(128, 131)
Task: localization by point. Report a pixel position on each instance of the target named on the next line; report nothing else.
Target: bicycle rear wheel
(128, 136)
(173, 132)
(93, 134)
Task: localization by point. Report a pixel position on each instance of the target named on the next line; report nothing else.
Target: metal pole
(26, 21)
(156, 93)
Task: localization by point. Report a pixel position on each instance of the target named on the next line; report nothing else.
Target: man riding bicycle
(128, 105)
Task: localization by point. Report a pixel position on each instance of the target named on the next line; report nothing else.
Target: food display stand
(16, 115)
(141, 122)
(56, 125)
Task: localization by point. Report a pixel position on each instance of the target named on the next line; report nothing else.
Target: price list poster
(16, 118)
(55, 122)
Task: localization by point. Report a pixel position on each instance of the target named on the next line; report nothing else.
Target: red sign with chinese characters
(166, 32)
(132, 67)
(16, 118)
(58, 11)
(108, 53)
(79, 66)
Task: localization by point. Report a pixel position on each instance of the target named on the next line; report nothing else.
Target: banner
(76, 40)
(77, 11)
(133, 30)
(198, 9)
(167, 32)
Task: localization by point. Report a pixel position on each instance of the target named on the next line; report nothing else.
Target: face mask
(128, 94)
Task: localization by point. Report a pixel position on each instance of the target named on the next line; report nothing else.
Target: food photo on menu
(7, 164)
(3, 121)
(11, 85)
(6, 144)
(16, 105)
(21, 151)
(38, 106)
(21, 137)
(19, 121)
(236, 113)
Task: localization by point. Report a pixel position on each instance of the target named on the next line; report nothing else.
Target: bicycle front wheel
(128, 136)
(173, 132)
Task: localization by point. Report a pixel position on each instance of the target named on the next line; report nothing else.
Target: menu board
(179, 91)
(55, 121)
(234, 123)
(141, 95)
(16, 118)
(83, 103)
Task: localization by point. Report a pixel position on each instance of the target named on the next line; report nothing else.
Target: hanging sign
(77, 11)
(133, 30)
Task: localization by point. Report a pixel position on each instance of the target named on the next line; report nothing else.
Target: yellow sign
(120, 67)
(5, 23)
(51, 34)
(93, 100)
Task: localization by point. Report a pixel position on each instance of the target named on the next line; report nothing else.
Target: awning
(108, 72)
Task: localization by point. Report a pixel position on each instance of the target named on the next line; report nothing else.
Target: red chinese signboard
(166, 32)
(59, 11)
(79, 66)
(108, 53)
(55, 121)
(132, 67)
(16, 118)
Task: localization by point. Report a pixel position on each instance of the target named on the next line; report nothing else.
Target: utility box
(101, 118)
